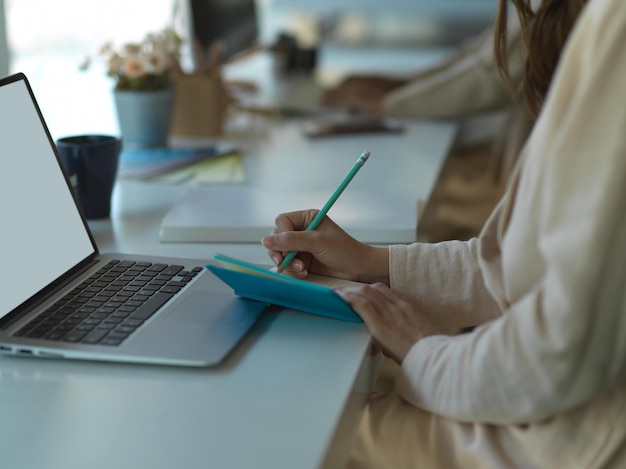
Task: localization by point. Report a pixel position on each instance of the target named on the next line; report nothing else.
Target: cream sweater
(464, 84)
(546, 279)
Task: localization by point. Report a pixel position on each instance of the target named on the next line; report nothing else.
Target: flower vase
(144, 116)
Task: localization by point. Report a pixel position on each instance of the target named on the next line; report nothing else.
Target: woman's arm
(562, 339)
(466, 83)
(444, 282)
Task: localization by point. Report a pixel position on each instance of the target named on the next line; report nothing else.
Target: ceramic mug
(90, 162)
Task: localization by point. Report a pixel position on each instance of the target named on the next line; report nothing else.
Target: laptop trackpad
(201, 306)
(202, 326)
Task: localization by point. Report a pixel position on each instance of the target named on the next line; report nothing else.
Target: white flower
(144, 65)
(134, 67)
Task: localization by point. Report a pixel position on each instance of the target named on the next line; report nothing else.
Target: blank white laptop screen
(43, 234)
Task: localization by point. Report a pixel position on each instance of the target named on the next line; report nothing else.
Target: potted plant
(143, 90)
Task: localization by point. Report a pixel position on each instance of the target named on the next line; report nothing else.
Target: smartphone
(328, 127)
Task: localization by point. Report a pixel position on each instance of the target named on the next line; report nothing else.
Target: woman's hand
(361, 93)
(392, 321)
(327, 250)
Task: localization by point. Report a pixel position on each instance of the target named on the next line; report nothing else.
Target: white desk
(289, 397)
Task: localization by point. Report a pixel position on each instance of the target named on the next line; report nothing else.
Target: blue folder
(253, 282)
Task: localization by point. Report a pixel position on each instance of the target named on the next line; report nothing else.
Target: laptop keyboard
(111, 304)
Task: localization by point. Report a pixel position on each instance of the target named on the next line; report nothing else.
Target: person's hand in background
(361, 93)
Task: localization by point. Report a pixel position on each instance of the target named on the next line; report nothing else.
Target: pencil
(333, 198)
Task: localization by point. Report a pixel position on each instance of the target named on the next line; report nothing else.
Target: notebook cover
(250, 281)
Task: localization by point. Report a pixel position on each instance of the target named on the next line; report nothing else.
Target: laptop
(62, 298)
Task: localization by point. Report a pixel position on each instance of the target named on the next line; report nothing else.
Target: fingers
(294, 221)
(291, 241)
(392, 321)
(327, 250)
(370, 303)
(348, 93)
(351, 96)
(273, 243)
(290, 235)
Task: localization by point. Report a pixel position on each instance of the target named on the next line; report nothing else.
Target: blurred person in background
(467, 87)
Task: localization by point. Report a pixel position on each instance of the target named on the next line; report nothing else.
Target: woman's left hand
(392, 321)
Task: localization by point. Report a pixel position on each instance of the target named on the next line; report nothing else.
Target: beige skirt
(395, 434)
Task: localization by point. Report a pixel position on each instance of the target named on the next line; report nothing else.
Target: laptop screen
(43, 234)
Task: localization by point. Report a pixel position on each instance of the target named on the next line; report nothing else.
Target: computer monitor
(232, 23)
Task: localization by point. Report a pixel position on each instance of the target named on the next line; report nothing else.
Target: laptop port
(24, 351)
(4, 348)
(50, 354)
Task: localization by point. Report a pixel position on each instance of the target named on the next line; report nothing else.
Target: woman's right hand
(361, 93)
(327, 250)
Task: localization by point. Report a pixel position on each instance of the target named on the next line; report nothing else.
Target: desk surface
(291, 394)
(285, 399)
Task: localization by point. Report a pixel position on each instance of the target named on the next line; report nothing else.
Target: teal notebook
(256, 283)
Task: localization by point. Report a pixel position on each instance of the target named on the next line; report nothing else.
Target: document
(225, 169)
(150, 163)
(316, 295)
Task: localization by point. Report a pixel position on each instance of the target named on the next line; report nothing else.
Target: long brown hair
(545, 32)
